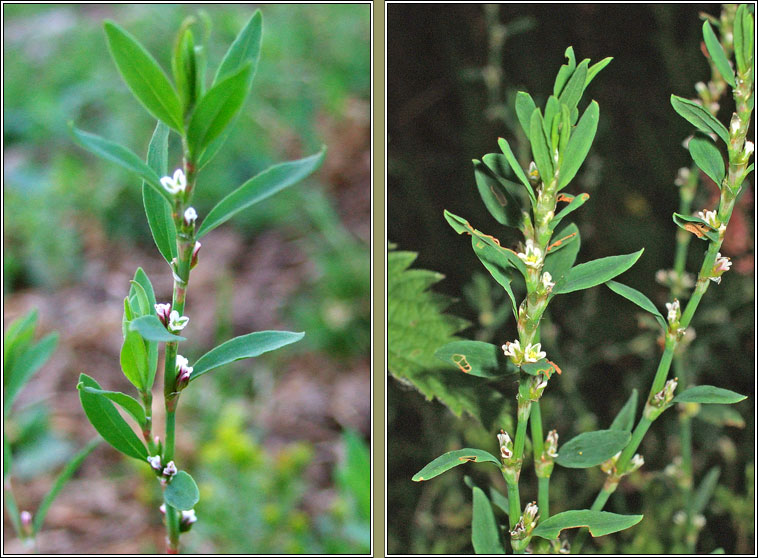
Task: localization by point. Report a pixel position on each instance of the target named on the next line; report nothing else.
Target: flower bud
(506, 445)
(190, 216)
(749, 148)
(551, 444)
(187, 520)
(183, 373)
(637, 462)
(163, 509)
(26, 523)
(720, 266)
(531, 513)
(547, 282)
(534, 174)
(674, 312)
(155, 462)
(195, 251)
(163, 311)
(170, 470)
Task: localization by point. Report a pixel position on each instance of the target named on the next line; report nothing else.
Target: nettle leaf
(592, 448)
(126, 402)
(106, 420)
(485, 535)
(216, 109)
(638, 298)
(25, 365)
(134, 361)
(475, 358)
(624, 420)
(593, 273)
(245, 49)
(559, 262)
(517, 170)
(574, 203)
(598, 522)
(157, 206)
(707, 157)
(524, 108)
(579, 145)
(121, 156)
(451, 459)
(699, 117)
(743, 39)
(152, 329)
(498, 265)
(540, 147)
(709, 394)
(717, 54)
(260, 187)
(144, 77)
(182, 492)
(244, 346)
(499, 201)
(696, 226)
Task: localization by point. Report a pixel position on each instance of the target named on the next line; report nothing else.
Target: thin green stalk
(538, 446)
(514, 503)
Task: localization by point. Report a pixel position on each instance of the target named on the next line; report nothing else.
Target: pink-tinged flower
(155, 462)
(170, 470)
(532, 255)
(190, 216)
(506, 445)
(176, 184)
(195, 251)
(164, 312)
(183, 372)
(188, 517)
(721, 265)
(177, 322)
(163, 509)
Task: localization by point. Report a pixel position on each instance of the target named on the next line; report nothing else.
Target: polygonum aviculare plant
(533, 201)
(200, 113)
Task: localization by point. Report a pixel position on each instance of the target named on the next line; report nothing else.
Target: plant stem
(514, 503)
(538, 446)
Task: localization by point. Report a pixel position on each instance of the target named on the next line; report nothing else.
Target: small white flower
(190, 216)
(700, 87)
(170, 470)
(534, 352)
(551, 443)
(682, 176)
(547, 282)
(710, 217)
(176, 184)
(176, 322)
(637, 462)
(188, 517)
(155, 462)
(749, 148)
(163, 311)
(734, 125)
(531, 513)
(674, 312)
(721, 265)
(506, 445)
(534, 174)
(679, 518)
(183, 372)
(699, 521)
(513, 350)
(163, 509)
(532, 256)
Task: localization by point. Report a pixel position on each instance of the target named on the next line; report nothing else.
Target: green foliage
(157, 208)
(637, 298)
(476, 358)
(717, 53)
(707, 156)
(452, 459)
(625, 418)
(484, 531)
(590, 274)
(592, 448)
(599, 523)
(699, 117)
(709, 394)
(182, 492)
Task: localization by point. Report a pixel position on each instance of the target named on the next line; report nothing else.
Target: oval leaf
(638, 298)
(246, 48)
(579, 144)
(126, 402)
(485, 536)
(592, 448)
(598, 522)
(260, 187)
(709, 394)
(144, 77)
(106, 420)
(244, 346)
(593, 273)
(624, 420)
(152, 329)
(157, 206)
(717, 54)
(134, 361)
(452, 459)
(707, 156)
(699, 117)
(499, 201)
(475, 358)
(182, 492)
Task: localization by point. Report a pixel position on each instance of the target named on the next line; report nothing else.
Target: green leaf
(575, 87)
(709, 394)
(542, 366)
(589, 274)
(244, 346)
(552, 107)
(517, 170)
(500, 168)
(707, 156)
(245, 49)
(720, 415)
(499, 202)
(475, 358)
(699, 117)
(452, 459)
(598, 522)
(157, 207)
(696, 226)
(540, 147)
(579, 145)
(260, 187)
(575, 202)
(743, 39)
(353, 473)
(497, 264)
(705, 490)
(141, 278)
(485, 536)
(106, 420)
(524, 108)
(563, 239)
(16, 338)
(134, 362)
(121, 156)
(152, 329)
(564, 73)
(557, 263)
(624, 420)
(593, 70)
(144, 77)
(638, 298)
(717, 54)
(182, 492)
(25, 366)
(499, 500)
(216, 110)
(184, 67)
(63, 477)
(592, 448)
(143, 305)
(126, 402)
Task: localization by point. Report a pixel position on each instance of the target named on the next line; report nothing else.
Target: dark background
(440, 116)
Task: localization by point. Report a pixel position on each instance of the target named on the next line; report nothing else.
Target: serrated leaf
(638, 298)
(524, 108)
(485, 536)
(245, 49)
(499, 201)
(696, 226)
(579, 145)
(244, 346)
(707, 157)
(260, 187)
(592, 448)
(144, 77)
(134, 361)
(157, 207)
(451, 459)
(599, 523)
(717, 54)
(25, 365)
(624, 420)
(152, 329)
(699, 117)
(106, 420)
(590, 274)
(540, 147)
(475, 358)
(709, 394)
(182, 492)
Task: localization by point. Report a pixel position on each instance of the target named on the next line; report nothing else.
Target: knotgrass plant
(201, 117)
(527, 200)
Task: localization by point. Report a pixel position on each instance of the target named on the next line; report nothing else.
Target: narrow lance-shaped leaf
(497, 264)
(709, 394)
(126, 402)
(485, 536)
(144, 77)
(625, 418)
(638, 298)
(524, 108)
(565, 71)
(260, 187)
(134, 361)
(517, 170)
(451, 459)
(575, 87)
(152, 329)
(19, 333)
(540, 147)
(707, 157)
(599, 523)
(705, 490)
(579, 144)
(696, 226)
(743, 39)
(699, 117)
(157, 207)
(575, 202)
(592, 448)
(593, 273)
(182, 492)
(558, 263)
(106, 420)
(184, 67)
(498, 200)
(121, 156)
(26, 365)
(245, 48)
(244, 346)
(717, 54)
(595, 69)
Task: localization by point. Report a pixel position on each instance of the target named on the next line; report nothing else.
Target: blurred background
(278, 444)
(453, 73)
